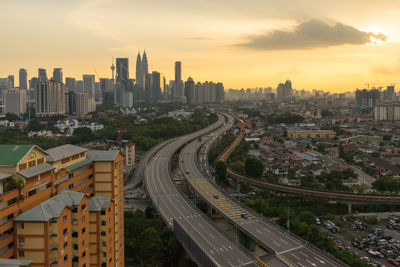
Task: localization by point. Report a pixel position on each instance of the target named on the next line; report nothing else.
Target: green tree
(307, 217)
(254, 167)
(151, 247)
(386, 183)
(85, 134)
(12, 117)
(220, 172)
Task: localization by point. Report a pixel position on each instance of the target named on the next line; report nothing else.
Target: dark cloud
(312, 34)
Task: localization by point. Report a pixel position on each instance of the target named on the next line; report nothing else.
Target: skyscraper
(148, 87)
(42, 76)
(156, 80)
(139, 72)
(23, 79)
(189, 91)
(11, 78)
(58, 75)
(14, 101)
(145, 65)
(89, 84)
(70, 84)
(178, 71)
(122, 82)
(50, 99)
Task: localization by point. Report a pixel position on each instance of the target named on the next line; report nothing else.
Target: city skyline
(336, 46)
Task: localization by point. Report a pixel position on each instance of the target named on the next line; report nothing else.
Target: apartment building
(32, 178)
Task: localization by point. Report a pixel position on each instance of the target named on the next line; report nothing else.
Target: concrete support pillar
(349, 208)
(209, 211)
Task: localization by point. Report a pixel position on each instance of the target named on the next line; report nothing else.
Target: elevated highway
(289, 250)
(199, 235)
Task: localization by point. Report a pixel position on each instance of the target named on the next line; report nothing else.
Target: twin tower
(142, 68)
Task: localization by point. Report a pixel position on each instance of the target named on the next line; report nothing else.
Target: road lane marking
(276, 243)
(312, 263)
(297, 258)
(303, 254)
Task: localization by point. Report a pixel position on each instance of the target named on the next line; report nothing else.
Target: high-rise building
(70, 84)
(122, 82)
(33, 83)
(42, 75)
(11, 78)
(190, 92)
(148, 87)
(156, 83)
(58, 75)
(130, 154)
(220, 93)
(5, 83)
(367, 98)
(14, 101)
(23, 79)
(139, 72)
(89, 84)
(79, 86)
(284, 90)
(50, 99)
(178, 71)
(69, 211)
(145, 64)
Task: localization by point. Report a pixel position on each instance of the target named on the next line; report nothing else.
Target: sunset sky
(330, 45)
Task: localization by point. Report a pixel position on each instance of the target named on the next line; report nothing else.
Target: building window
(65, 218)
(21, 226)
(83, 254)
(32, 192)
(65, 244)
(65, 231)
(83, 206)
(21, 241)
(75, 234)
(66, 257)
(21, 254)
(22, 166)
(83, 230)
(83, 242)
(74, 209)
(83, 218)
(103, 212)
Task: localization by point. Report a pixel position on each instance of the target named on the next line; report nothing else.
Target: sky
(336, 45)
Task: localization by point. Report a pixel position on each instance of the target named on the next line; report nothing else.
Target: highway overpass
(198, 234)
(289, 249)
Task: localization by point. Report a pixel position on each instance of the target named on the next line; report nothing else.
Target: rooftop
(98, 203)
(11, 155)
(101, 155)
(36, 170)
(60, 152)
(51, 208)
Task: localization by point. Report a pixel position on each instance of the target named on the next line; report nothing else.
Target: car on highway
(244, 216)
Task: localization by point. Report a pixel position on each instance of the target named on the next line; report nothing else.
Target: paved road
(286, 247)
(172, 205)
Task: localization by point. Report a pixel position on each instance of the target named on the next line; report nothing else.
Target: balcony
(8, 254)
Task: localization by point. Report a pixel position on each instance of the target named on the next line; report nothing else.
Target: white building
(50, 99)
(14, 101)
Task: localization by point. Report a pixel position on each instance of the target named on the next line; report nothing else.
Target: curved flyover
(306, 192)
(289, 250)
(197, 233)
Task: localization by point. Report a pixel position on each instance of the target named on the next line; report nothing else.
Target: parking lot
(377, 244)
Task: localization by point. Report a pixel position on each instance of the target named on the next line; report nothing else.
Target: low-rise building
(310, 134)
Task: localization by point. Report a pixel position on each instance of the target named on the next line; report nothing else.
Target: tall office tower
(71, 103)
(220, 93)
(14, 101)
(147, 87)
(42, 76)
(23, 79)
(139, 73)
(97, 90)
(79, 86)
(11, 78)
(145, 64)
(156, 80)
(82, 104)
(178, 71)
(33, 83)
(5, 83)
(89, 84)
(58, 75)
(390, 94)
(112, 70)
(50, 99)
(122, 81)
(70, 84)
(189, 91)
(199, 93)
